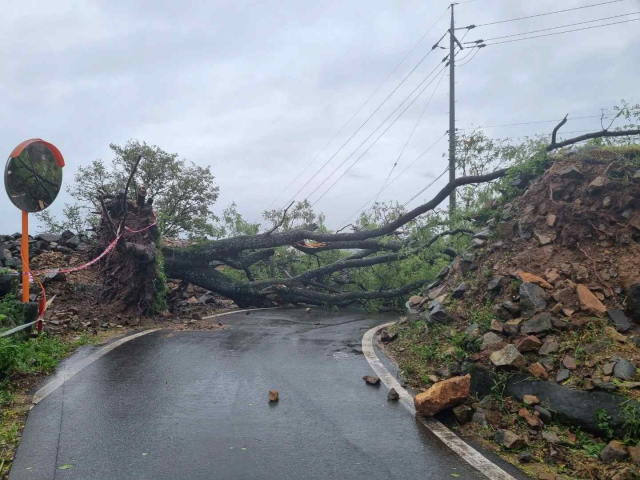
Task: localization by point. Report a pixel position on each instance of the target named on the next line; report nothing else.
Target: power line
(552, 34)
(425, 188)
(552, 28)
(374, 142)
(377, 128)
(474, 56)
(395, 178)
(367, 120)
(361, 107)
(539, 121)
(410, 136)
(545, 14)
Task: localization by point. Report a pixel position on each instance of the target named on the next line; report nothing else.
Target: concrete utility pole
(452, 113)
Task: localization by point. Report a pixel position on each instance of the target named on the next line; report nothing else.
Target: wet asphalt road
(193, 405)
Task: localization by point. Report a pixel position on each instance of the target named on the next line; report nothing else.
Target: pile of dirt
(550, 290)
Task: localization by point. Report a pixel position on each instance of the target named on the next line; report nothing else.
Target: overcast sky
(257, 89)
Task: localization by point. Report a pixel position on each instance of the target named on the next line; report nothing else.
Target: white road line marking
(69, 372)
(450, 439)
(239, 311)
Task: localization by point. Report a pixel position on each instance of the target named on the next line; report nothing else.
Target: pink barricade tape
(111, 246)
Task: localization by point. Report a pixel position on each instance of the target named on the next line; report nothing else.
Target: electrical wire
(377, 128)
(552, 28)
(360, 109)
(395, 178)
(552, 34)
(365, 122)
(539, 121)
(425, 188)
(548, 13)
(474, 56)
(374, 142)
(410, 137)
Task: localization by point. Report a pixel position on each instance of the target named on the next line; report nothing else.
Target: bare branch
(590, 136)
(558, 127)
(284, 216)
(126, 191)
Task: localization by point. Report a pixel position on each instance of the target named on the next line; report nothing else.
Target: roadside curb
(448, 437)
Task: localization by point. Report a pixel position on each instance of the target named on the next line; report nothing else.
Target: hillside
(546, 303)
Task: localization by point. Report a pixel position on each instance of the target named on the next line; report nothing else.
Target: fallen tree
(201, 264)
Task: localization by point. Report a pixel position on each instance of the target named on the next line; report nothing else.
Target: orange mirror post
(24, 249)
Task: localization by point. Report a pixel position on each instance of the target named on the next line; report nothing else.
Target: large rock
(439, 314)
(505, 229)
(624, 370)
(460, 290)
(589, 303)
(540, 323)
(48, 237)
(529, 343)
(571, 172)
(549, 346)
(508, 358)
(532, 299)
(443, 395)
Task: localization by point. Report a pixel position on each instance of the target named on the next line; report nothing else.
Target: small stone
(569, 362)
(460, 290)
(413, 301)
(540, 323)
(551, 437)
(557, 308)
(530, 400)
(496, 326)
(473, 331)
(587, 384)
(563, 375)
(371, 380)
(479, 417)
(552, 275)
(545, 415)
(571, 172)
(598, 184)
(526, 457)
(551, 220)
(589, 303)
(308, 310)
(532, 299)
(463, 414)
(512, 307)
(274, 395)
(478, 243)
(605, 386)
(508, 358)
(393, 395)
(607, 368)
(494, 285)
(533, 421)
(531, 278)
(613, 451)
(548, 363)
(505, 229)
(529, 343)
(545, 239)
(491, 338)
(508, 439)
(619, 320)
(387, 337)
(624, 370)
(634, 453)
(538, 371)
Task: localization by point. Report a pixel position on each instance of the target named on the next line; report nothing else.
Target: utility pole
(452, 113)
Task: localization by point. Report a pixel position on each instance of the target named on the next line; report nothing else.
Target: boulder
(48, 237)
(614, 451)
(505, 229)
(508, 439)
(512, 307)
(540, 323)
(439, 314)
(494, 285)
(446, 394)
(589, 303)
(437, 292)
(478, 243)
(508, 358)
(619, 320)
(532, 299)
(496, 326)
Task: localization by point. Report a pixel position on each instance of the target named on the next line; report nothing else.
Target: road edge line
(448, 437)
(72, 371)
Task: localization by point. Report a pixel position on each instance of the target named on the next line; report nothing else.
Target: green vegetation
(631, 415)
(162, 288)
(11, 313)
(604, 422)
